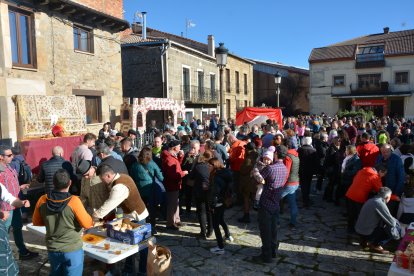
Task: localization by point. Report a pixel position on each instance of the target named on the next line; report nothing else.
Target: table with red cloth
(394, 270)
(38, 151)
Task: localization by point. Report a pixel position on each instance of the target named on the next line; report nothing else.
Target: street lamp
(278, 81)
(221, 57)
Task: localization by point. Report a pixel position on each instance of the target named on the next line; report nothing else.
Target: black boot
(244, 219)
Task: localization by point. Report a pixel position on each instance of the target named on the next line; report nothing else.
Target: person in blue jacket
(395, 175)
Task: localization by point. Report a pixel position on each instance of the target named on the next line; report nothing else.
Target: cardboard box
(139, 232)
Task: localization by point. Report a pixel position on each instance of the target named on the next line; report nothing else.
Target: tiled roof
(282, 65)
(396, 43)
(133, 38)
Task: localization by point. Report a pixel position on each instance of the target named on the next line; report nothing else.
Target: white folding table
(117, 251)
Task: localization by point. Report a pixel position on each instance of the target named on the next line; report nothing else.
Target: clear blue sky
(274, 30)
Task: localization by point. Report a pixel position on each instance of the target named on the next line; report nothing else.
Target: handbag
(394, 232)
(159, 260)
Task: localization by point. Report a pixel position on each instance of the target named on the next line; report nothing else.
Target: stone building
(373, 72)
(171, 66)
(294, 87)
(61, 48)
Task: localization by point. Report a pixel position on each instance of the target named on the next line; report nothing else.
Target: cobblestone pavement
(319, 246)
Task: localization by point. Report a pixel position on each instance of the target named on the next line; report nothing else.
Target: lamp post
(221, 57)
(278, 80)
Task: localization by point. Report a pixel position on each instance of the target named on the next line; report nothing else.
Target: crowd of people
(365, 166)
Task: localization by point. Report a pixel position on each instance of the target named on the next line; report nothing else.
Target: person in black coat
(308, 161)
(201, 176)
(349, 168)
(220, 188)
(49, 167)
(333, 161)
(104, 153)
(130, 152)
(321, 146)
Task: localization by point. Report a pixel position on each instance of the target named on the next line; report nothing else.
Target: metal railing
(198, 94)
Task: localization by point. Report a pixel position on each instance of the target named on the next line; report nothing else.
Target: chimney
(144, 25)
(210, 39)
(386, 30)
(136, 27)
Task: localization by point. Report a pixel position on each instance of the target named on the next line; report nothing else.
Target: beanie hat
(382, 138)
(269, 153)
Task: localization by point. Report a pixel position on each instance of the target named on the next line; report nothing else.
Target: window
(370, 53)
(238, 104)
(401, 77)
(236, 75)
(339, 81)
(369, 81)
(245, 104)
(93, 109)
(245, 84)
(186, 83)
(200, 75)
(228, 80)
(213, 86)
(22, 38)
(82, 39)
(228, 108)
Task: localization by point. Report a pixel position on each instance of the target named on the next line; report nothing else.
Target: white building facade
(374, 72)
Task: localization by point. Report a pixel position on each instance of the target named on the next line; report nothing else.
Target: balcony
(199, 95)
(369, 60)
(365, 89)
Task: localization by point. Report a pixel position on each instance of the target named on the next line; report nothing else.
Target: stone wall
(243, 67)
(60, 68)
(111, 7)
(142, 75)
(177, 60)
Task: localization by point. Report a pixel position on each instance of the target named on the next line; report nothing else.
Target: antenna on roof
(136, 16)
(188, 24)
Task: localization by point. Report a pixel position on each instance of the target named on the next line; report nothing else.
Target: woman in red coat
(173, 175)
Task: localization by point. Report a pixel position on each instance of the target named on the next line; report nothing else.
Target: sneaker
(28, 256)
(229, 239)
(217, 250)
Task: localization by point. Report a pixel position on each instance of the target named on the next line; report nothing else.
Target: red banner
(368, 102)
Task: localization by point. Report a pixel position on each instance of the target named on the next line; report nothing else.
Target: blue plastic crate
(136, 235)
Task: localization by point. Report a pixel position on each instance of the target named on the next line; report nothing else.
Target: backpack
(25, 173)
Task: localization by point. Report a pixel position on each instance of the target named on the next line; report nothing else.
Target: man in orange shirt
(236, 158)
(365, 181)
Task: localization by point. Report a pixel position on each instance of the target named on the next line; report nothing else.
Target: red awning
(249, 113)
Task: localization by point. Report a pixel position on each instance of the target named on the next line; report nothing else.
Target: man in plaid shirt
(275, 176)
(9, 178)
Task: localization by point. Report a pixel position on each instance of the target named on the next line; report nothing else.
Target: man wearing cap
(173, 175)
(133, 134)
(93, 191)
(103, 153)
(49, 167)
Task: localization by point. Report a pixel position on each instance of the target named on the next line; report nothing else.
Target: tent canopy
(250, 113)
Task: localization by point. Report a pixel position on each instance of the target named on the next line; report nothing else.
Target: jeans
(131, 260)
(218, 219)
(268, 233)
(289, 191)
(204, 214)
(15, 220)
(66, 263)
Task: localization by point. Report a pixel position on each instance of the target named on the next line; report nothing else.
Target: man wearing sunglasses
(10, 180)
